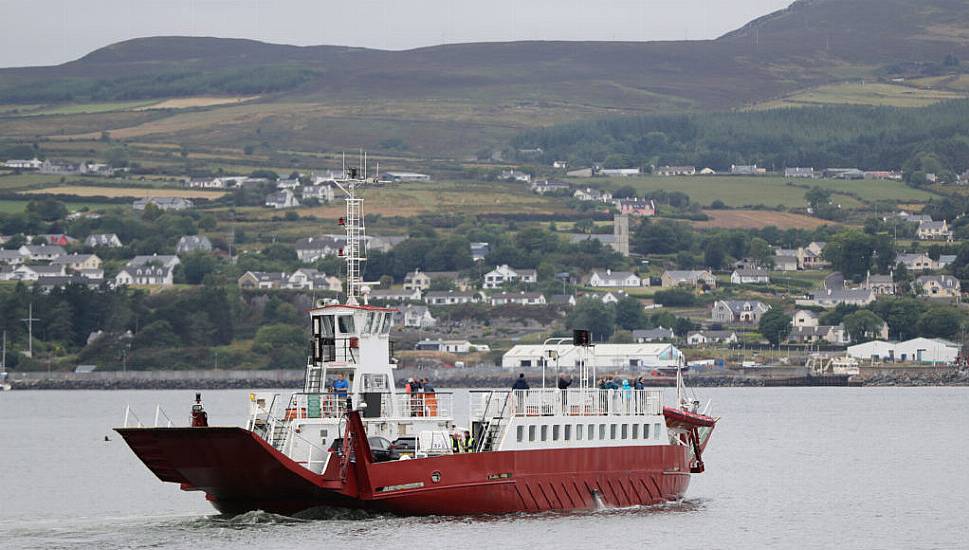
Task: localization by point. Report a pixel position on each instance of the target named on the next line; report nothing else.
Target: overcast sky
(45, 32)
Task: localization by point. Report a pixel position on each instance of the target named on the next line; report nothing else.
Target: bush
(676, 297)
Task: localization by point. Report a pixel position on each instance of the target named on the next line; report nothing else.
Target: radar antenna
(354, 252)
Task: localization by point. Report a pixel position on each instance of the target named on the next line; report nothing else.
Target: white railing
(554, 402)
(315, 405)
(131, 419)
(413, 405)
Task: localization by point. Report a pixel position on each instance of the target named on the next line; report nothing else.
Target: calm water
(787, 468)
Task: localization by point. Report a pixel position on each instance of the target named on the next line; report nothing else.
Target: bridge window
(555, 432)
(578, 431)
(645, 431)
(345, 322)
(568, 432)
(625, 431)
(326, 326)
(656, 431)
(520, 433)
(544, 432)
(635, 431)
(531, 433)
(602, 431)
(591, 432)
(612, 431)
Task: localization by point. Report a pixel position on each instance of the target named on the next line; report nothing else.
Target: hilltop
(447, 100)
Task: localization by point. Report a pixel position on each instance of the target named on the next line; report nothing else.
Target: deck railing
(554, 402)
(420, 404)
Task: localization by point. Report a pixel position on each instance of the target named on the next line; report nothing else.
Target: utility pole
(30, 329)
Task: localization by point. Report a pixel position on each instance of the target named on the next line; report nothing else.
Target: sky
(48, 32)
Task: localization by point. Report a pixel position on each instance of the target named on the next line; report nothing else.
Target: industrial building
(602, 356)
(917, 350)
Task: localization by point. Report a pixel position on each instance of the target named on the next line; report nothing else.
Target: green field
(15, 206)
(739, 191)
(76, 108)
(859, 93)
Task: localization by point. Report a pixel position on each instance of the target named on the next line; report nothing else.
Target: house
(392, 295)
(917, 262)
(252, 280)
(78, 262)
(844, 173)
(832, 297)
(747, 170)
(914, 218)
(750, 277)
(607, 356)
(659, 334)
(417, 280)
(41, 252)
(834, 335)
(708, 172)
(799, 172)
(404, 176)
(19, 164)
(705, 337)
(938, 286)
(46, 284)
(311, 249)
(917, 350)
(450, 298)
(691, 278)
(675, 171)
(519, 298)
(934, 231)
(881, 285)
(883, 175)
(581, 173)
(310, 279)
(57, 239)
(190, 244)
(560, 164)
(107, 240)
(160, 259)
(812, 256)
(36, 272)
(549, 186)
(805, 318)
(562, 300)
(291, 184)
(12, 257)
(163, 203)
(785, 263)
(615, 279)
(592, 195)
(619, 172)
(738, 311)
(322, 193)
(453, 278)
(503, 274)
(635, 207)
(154, 274)
(480, 251)
(282, 199)
(95, 274)
(448, 346)
(412, 316)
(515, 175)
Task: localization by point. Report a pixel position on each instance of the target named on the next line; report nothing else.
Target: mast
(354, 252)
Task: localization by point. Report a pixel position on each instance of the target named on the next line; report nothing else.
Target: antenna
(30, 329)
(354, 249)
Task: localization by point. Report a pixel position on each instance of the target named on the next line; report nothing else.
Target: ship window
(525, 363)
(555, 432)
(345, 322)
(568, 432)
(645, 431)
(578, 431)
(635, 431)
(520, 433)
(388, 321)
(369, 325)
(656, 431)
(326, 326)
(612, 431)
(531, 433)
(602, 431)
(591, 431)
(316, 326)
(544, 432)
(625, 431)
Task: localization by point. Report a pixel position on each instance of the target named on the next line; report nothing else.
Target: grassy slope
(449, 101)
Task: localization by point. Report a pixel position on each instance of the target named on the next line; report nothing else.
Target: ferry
(351, 439)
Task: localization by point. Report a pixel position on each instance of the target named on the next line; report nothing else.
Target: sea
(786, 468)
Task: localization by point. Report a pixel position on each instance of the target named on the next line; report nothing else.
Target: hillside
(451, 100)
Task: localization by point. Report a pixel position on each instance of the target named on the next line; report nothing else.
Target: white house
(405, 176)
(917, 350)
(392, 295)
(282, 199)
(322, 193)
(515, 175)
(738, 311)
(750, 277)
(12, 257)
(163, 203)
(805, 318)
(938, 286)
(692, 278)
(107, 240)
(78, 262)
(519, 298)
(417, 280)
(146, 274)
(705, 337)
(675, 171)
(615, 279)
(448, 346)
(193, 243)
(41, 252)
(311, 249)
(159, 259)
(503, 274)
(934, 231)
(412, 316)
(20, 164)
(832, 297)
(607, 356)
(917, 262)
(450, 298)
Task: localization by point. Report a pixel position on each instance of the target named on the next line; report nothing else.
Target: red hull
(240, 472)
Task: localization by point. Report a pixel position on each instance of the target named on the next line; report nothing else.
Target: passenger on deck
(639, 385)
(564, 381)
(430, 398)
(341, 386)
(469, 442)
(521, 383)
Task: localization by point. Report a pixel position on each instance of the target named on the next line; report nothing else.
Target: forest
(932, 139)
